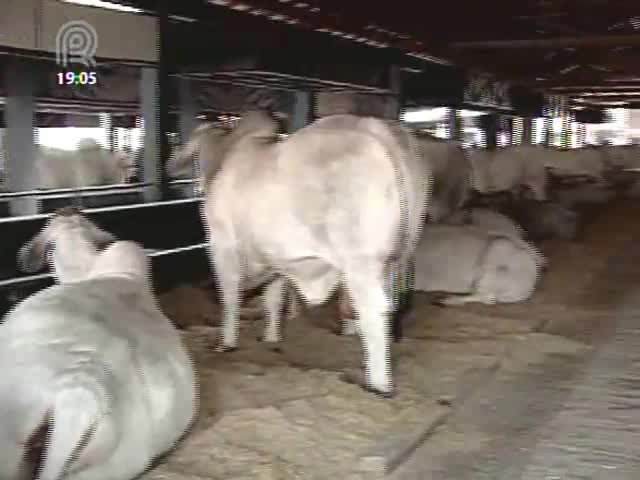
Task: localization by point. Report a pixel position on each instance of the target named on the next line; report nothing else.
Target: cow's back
(326, 187)
(413, 170)
(400, 167)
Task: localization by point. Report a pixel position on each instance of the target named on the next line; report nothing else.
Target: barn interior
(541, 388)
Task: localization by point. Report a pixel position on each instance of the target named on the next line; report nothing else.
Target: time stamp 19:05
(77, 78)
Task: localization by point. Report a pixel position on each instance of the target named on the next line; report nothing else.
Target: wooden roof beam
(596, 88)
(606, 96)
(559, 42)
(314, 17)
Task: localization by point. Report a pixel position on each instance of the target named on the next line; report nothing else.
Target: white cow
(203, 146)
(623, 156)
(89, 165)
(497, 223)
(339, 201)
(508, 169)
(91, 365)
(451, 172)
(481, 266)
(587, 162)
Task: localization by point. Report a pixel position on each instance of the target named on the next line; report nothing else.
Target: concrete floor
(485, 392)
(570, 416)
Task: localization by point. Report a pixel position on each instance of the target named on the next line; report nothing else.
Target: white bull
(508, 169)
(586, 162)
(90, 165)
(479, 265)
(91, 365)
(202, 145)
(339, 201)
(622, 156)
(451, 173)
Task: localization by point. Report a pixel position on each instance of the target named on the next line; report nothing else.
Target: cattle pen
(515, 112)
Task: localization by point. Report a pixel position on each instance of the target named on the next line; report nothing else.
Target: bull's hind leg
(347, 315)
(226, 265)
(366, 288)
(274, 300)
(292, 303)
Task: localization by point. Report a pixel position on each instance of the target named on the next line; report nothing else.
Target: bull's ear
(32, 255)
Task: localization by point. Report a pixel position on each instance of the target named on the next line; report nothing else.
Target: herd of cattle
(88, 166)
(97, 382)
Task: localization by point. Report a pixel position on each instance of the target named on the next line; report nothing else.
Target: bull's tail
(72, 422)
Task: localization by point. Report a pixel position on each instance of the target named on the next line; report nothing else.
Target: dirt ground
(281, 416)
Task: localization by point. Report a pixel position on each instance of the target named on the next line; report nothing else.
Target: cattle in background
(509, 169)
(587, 163)
(451, 172)
(622, 156)
(89, 165)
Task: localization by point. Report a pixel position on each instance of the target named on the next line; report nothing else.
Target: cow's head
(202, 141)
(258, 122)
(34, 254)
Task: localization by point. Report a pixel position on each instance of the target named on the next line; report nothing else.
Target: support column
(566, 129)
(394, 103)
(548, 131)
(188, 109)
(20, 165)
(504, 126)
(582, 134)
(105, 120)
(112, 138)
(301, 111)
(490, 126)
(154, 84)
(527, 130)
(454, 122)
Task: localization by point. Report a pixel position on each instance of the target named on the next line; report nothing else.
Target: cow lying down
(496, 222)
(96, 382)
(479, 265)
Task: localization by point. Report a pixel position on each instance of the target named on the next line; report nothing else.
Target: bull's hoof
(379, 393)
(341, 332)
(273, 346)
(353, 377)
(221, 348)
